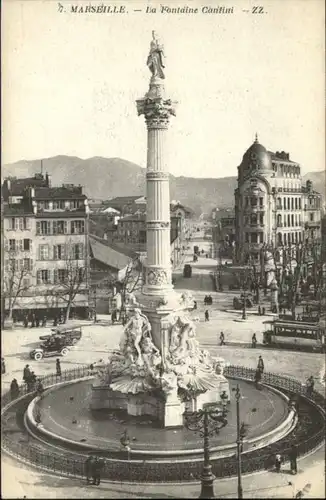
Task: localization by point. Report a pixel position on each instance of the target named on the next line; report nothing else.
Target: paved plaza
(95, 344)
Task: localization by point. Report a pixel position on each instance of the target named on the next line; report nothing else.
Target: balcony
(312, 224)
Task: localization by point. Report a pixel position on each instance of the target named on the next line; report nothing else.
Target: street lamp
(207, 422)
(241, 433)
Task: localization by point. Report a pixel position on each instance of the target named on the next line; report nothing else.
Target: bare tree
(16, 279)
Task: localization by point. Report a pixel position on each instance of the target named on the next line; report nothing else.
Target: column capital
(157, 111)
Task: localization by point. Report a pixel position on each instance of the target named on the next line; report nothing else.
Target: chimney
(48, 180)
(309, 186)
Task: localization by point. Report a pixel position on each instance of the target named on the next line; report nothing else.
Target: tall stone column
(157, 111)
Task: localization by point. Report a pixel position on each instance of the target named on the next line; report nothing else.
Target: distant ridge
(105, 178)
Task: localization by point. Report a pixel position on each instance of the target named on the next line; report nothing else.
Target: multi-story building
(271, 205)
(46, 247)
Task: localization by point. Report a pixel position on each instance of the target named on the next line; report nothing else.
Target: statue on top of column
(155, 60)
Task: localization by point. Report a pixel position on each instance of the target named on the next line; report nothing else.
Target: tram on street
(294, 334)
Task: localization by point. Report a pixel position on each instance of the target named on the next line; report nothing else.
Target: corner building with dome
(272, 206)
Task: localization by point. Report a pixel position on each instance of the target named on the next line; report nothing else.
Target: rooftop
(62, 192)
(110, 254)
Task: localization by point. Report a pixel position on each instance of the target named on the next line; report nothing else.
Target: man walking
(97, 466)
(14, 389)
(310, 386)
(89, 468)
(293, 455)
(58, 367)
(260, 365)
(206, 315)
(254, 341)
(26, 374)
(222, 339)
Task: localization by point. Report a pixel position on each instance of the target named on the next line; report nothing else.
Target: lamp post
(241, 432)
(206, 423)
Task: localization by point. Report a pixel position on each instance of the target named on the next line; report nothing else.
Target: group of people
(93, 467)
(208, 300)
(35, 320)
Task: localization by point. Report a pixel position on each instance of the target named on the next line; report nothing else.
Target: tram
(291, 334)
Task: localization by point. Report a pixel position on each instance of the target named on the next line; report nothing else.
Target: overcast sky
(70, 82)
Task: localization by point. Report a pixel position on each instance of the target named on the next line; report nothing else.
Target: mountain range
(105, 178)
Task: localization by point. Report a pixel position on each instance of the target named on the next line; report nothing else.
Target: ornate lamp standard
(206, 423)
(241, 433)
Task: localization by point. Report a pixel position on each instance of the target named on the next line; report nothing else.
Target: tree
(71, 277)
(16, 279)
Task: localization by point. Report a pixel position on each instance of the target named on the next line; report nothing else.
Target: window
(261, 202)
(43, 227)
(292, 220)
(81, 274)
(12, 246)
(299, 203)
(247, 237)
(43, 252)
(78, 251)
(59, 252)
(43, 276)
(27, 244)
(312, 217)
(58, 205)
(288, 203)
(27, 264)
(21, 223)
(253, 201)
(284, 203)
(296, 204)
(60, 227)
(261, 219)
(253, 219)
(77, 227)
(246, 201)
(253, 237)
(60, 275)
(284, 220)
(289, 220)
(292, 203)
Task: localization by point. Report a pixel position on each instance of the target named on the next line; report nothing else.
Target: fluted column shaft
(157, 111)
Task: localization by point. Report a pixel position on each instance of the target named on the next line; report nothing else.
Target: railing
(311, 430)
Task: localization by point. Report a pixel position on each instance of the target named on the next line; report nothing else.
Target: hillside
(105, 178)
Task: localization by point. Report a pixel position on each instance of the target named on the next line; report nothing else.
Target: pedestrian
(254, 341)
(259, 310)
(257, 378)
(205, 300)
(195, 304)
(26, 374)
(3, 366)
(222, 339)
(44, 320)
(206, 315)
(293, 455)
(33, 320)
(278, 462)
(89, 468)
(14, 389)
(260, 365)
(310, 386)
(31, 382)
(210, 300)
(39, 387)
(37, 321)
(264, 311)
(58, 367)
(26, 321)
(97, 466)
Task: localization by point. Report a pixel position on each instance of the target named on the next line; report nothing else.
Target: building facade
(271, 206)
(46, 249)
